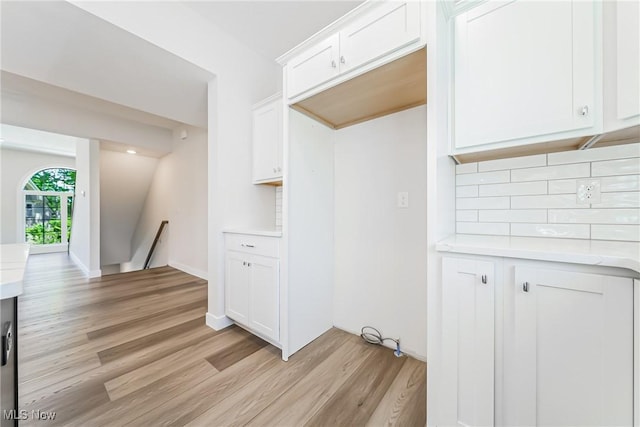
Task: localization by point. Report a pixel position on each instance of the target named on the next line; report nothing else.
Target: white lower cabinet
(570, 348)
(542, 344)
(252, 284)
(468, 341)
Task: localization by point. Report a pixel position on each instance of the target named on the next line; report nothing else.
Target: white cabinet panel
(572, 342)
(252, 283)
(468, 342)
(236, 288)
(314, 66)
(264, 297)
(628, 59)
(377, 33)
(524, 69)
(267, 142)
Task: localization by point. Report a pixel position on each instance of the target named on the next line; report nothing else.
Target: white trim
(218, 322)
(47, 249)
(189, 270)
(89, 273)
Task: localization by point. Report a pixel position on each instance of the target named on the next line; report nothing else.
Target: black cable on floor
(373, 336)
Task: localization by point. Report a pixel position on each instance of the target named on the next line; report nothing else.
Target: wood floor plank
(271, 405)
(233, 353)
(354, 403)
(407, 390)
(133, 349)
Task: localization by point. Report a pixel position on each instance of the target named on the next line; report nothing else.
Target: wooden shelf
(393, 87)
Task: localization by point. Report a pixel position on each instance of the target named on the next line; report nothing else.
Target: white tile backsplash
(483, 178)
(615, 232)
(467, 191)
(536, 195)
(490, 228)
(557, 231)
(616, 167)
(467, 216)
(578, 170)
(483, 203)
(513, 215)
(513, 163)
(513, 189)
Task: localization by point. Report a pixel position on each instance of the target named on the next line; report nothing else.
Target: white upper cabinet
(267, 141)
(377, 33)
(316, 65)
(525, 72)
(622, 64)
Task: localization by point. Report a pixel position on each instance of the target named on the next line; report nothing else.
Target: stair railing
(155, 242)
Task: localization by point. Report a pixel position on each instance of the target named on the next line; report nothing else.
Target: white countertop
(13, 261)
(591, 252)
(268, 233)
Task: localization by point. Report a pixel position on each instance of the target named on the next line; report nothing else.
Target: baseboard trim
(89, 273)
(405, 350)
(189, 270)
(218, 322)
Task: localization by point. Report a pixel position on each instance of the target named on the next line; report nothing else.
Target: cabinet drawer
(257, 245)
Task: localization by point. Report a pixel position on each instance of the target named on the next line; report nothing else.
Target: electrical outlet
(403, 199)
(587, 191)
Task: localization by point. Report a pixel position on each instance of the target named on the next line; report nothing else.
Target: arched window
(48, 205)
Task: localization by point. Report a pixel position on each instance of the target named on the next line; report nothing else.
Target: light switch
(403, 199)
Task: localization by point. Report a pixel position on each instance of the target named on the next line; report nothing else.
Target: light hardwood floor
(133, 349)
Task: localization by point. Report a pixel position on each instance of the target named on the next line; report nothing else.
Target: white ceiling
(57, 43)
(271, 28)
(36, 140)
(60, 44)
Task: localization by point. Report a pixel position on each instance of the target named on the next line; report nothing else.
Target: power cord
(373, 336)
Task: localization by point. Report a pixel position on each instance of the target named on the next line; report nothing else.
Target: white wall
(178, 193)
(17, 166)
(381, 249)
(84, 247)
(124, 183)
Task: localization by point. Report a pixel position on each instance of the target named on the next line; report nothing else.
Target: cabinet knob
(525, 286)
(333, 64)
(342, 61)
(248, 264)
(244, 263)
(279, 169)
(584, 111)
(275, 170)
(484, 278)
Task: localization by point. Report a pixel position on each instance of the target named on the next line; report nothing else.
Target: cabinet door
(628, 60)
(524, 69)
(264, 296)
(236, 283)
(267, 142)
(573, 349)
(313, 67)
(467, 342)
(378, 33)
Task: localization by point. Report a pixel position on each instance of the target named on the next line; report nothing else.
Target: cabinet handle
(333, 64)
(342, 61)
(484, 278)
(279, 169)
(275, 170)
(525, 286)
(248, 264)
(584, 110)
(247, 245)
(244, 263)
